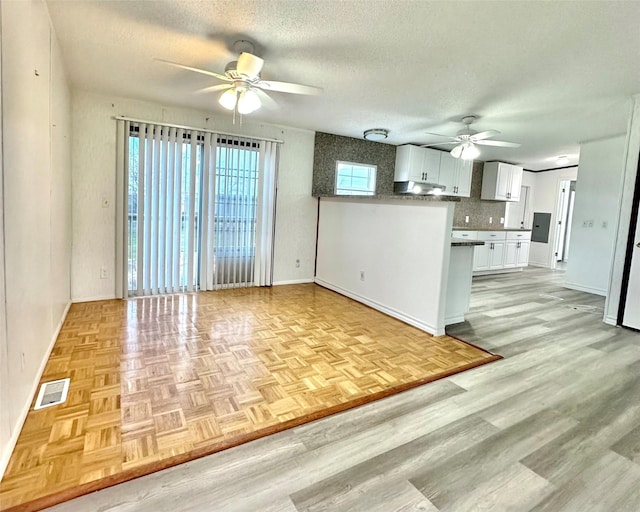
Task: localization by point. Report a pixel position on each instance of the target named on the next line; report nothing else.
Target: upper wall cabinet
(455, 175)
(414, 163)
(501, 181)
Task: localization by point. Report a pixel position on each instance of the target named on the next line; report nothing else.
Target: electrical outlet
(362, 275)
(103, 273)
(466, 219)
(490, 220)
(297, 263)
(591, 223)
(605, 224)
(501, 220)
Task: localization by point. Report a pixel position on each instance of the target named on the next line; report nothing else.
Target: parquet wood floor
(159, 381)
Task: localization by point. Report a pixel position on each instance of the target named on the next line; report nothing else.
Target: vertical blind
(195, 210)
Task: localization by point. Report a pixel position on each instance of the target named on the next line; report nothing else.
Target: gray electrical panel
(541, 225)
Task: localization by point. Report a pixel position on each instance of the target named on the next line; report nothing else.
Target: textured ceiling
(546, 74)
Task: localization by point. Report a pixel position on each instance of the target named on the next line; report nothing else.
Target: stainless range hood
(417, 188)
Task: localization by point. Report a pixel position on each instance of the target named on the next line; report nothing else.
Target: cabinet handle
(491, 246)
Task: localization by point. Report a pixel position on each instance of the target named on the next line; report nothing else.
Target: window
(355, 179)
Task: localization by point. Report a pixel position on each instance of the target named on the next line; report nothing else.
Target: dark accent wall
(331, 148)
(478, 210)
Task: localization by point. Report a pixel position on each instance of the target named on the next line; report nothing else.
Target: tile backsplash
(479, 211)
(330, 148)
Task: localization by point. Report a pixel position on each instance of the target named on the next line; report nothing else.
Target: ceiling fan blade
(484, 135)
(452, 137)
(500, 143)
(438, 143)
(270, 85)
(214, 88)
(249, 65)
(197, 70)
(267, 101)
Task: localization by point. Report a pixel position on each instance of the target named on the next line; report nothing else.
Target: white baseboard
(93, 299)
(383, 308)
(453, 320)
(611, 320)
(587, 289)
(293, 281)
(17, 428)
(497, 271)
(539, 265)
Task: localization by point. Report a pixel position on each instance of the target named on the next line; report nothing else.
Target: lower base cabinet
(501, 250)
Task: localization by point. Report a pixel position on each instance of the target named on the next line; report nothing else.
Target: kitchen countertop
(463, 242)
(457, 228)
(384, 197)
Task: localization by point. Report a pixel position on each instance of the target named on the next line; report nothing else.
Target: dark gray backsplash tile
(330, 148)
(478, 210)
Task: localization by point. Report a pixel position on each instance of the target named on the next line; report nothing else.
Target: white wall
(545, 187)
(598, 200)
(93, 153)
(36, 173)
(627, 186)
(403, 248)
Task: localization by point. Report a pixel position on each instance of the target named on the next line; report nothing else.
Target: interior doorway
(564, 215)
(629, 312)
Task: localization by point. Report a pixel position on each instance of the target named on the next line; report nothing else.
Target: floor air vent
(52, 393)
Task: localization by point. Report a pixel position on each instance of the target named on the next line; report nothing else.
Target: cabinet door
(431, 164)
(523, 254)
(510, 254)
(503, 182)
(409, 163)
(482, 256)
(448, 173)
(463, 185)
(515, 183)
(497, 255)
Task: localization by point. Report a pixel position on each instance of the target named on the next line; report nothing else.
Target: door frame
(559, 220)
(633, 223)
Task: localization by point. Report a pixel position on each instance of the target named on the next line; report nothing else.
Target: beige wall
(36, 203)
(94, 179)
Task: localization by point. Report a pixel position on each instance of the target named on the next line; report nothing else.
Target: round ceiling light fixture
(376, 134)
(562, 160)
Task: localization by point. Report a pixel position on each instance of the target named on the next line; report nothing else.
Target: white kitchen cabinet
(511, 254)
(522, 257)
(414, 163)
(481, 257)
(455, 175)
(501, 181)
(496, 250)
(522, 242)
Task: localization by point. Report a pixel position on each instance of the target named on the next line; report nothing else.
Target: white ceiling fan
(467, 139)
(244, 89)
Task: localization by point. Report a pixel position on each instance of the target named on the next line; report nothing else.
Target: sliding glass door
(193, 204)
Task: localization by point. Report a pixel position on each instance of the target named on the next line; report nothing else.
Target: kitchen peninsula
(395, 254)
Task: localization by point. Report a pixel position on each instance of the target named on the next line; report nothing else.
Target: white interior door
(631, 316)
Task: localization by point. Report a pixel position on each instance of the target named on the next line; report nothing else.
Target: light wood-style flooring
(159, 381)
(555, 426)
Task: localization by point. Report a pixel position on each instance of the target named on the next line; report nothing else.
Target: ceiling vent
(52, 393)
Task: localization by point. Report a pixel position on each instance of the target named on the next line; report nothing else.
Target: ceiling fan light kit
(243, 77)
(467, 140)
(376, 134)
